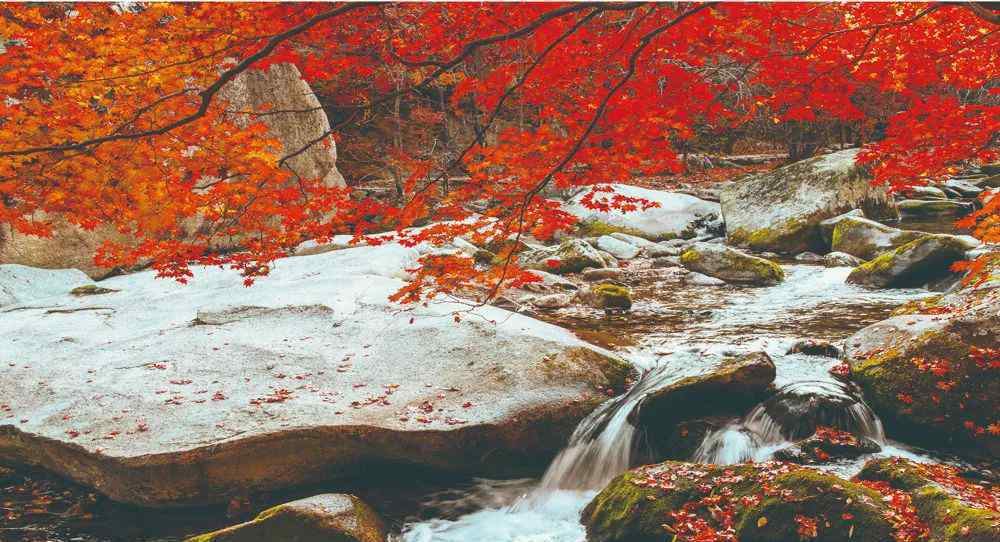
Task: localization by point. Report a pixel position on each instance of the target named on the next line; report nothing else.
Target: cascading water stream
(604, 444)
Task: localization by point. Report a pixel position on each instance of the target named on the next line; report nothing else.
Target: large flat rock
(161, 393)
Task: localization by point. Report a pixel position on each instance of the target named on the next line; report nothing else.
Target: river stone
(936, 492)
(967, 189)
(675, 214)
(636, 505)
(331, 517)
(915, 207)
(781, 210)
(989, 182)
(885, 359)
(925, 192)
(607, 296)
(594, 275)
(617, 248)
(735, 383)
(553, 301)
(731, 265)
(816, 347)
(826, 227)
(866, 239)
(642, 243)
(915, 263)
(702, 280)
(281, 88)
(165, 394)
(826, 445)
(841, 259)
(549, 283)
(571, 256)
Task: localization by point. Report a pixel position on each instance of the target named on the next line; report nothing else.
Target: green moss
(612, 296)
(626, 511)
(597, 228)
(792, 236)
(950, 519)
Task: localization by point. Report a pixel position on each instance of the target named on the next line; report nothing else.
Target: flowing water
(677, 330)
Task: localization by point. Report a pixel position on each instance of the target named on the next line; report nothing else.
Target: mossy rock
(731, 265)
(322, 518)
(781, 210)
(571, 256)
(735, 384)
(598, 228)
(90, 289)
(943, 500)
(914, 207)
(919, 372)
(866, 239)
(612, 297)
(637, 506)
(913, 264)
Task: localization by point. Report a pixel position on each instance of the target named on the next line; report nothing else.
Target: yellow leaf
(761, 522)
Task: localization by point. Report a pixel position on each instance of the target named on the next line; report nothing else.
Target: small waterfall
(793, 413)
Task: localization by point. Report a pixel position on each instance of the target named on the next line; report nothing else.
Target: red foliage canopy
(113, 116)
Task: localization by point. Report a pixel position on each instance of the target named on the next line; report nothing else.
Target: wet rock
(608, 296)
(826, 226)
(658, 502)
(702, 280)
(966, 189)
(927, 374)
(798, 409)
(646, 246)
(330, 517)
(594, 275)
(660, 250)
(781, 210)
(924, 192)
(954, 509)
(677, 215)
(571, 256)
(866, 239)
(914, 264)
(553, 301)
(816, 347)
(808, 257)
(731, 265)
(309, 375)
(914, 207)
(826, 445)
(841, 259)
(989, 182)
(737, 382)
(666, 261)
(617, 248)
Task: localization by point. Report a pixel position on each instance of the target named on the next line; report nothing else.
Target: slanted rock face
(916, 207)
(913, 264)
(677, 215)
(160, 393)
(21, 284)
(953, 508)
(657, 502)
(931, 374)
(731, 265)
(866, 239)
(780, 211)
(72, 247)
(330, 517)
(282, 88)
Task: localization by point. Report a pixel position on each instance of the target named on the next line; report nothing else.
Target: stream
(675, 331)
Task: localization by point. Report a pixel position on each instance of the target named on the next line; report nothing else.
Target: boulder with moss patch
(781, 210)
(731, 265)
(954, 508)
(763, 502)
(866, 239)
(929, 374)
(330, 517)
(608, 296)
(913, 264)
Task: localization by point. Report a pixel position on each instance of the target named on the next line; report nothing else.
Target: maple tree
(112, 114)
